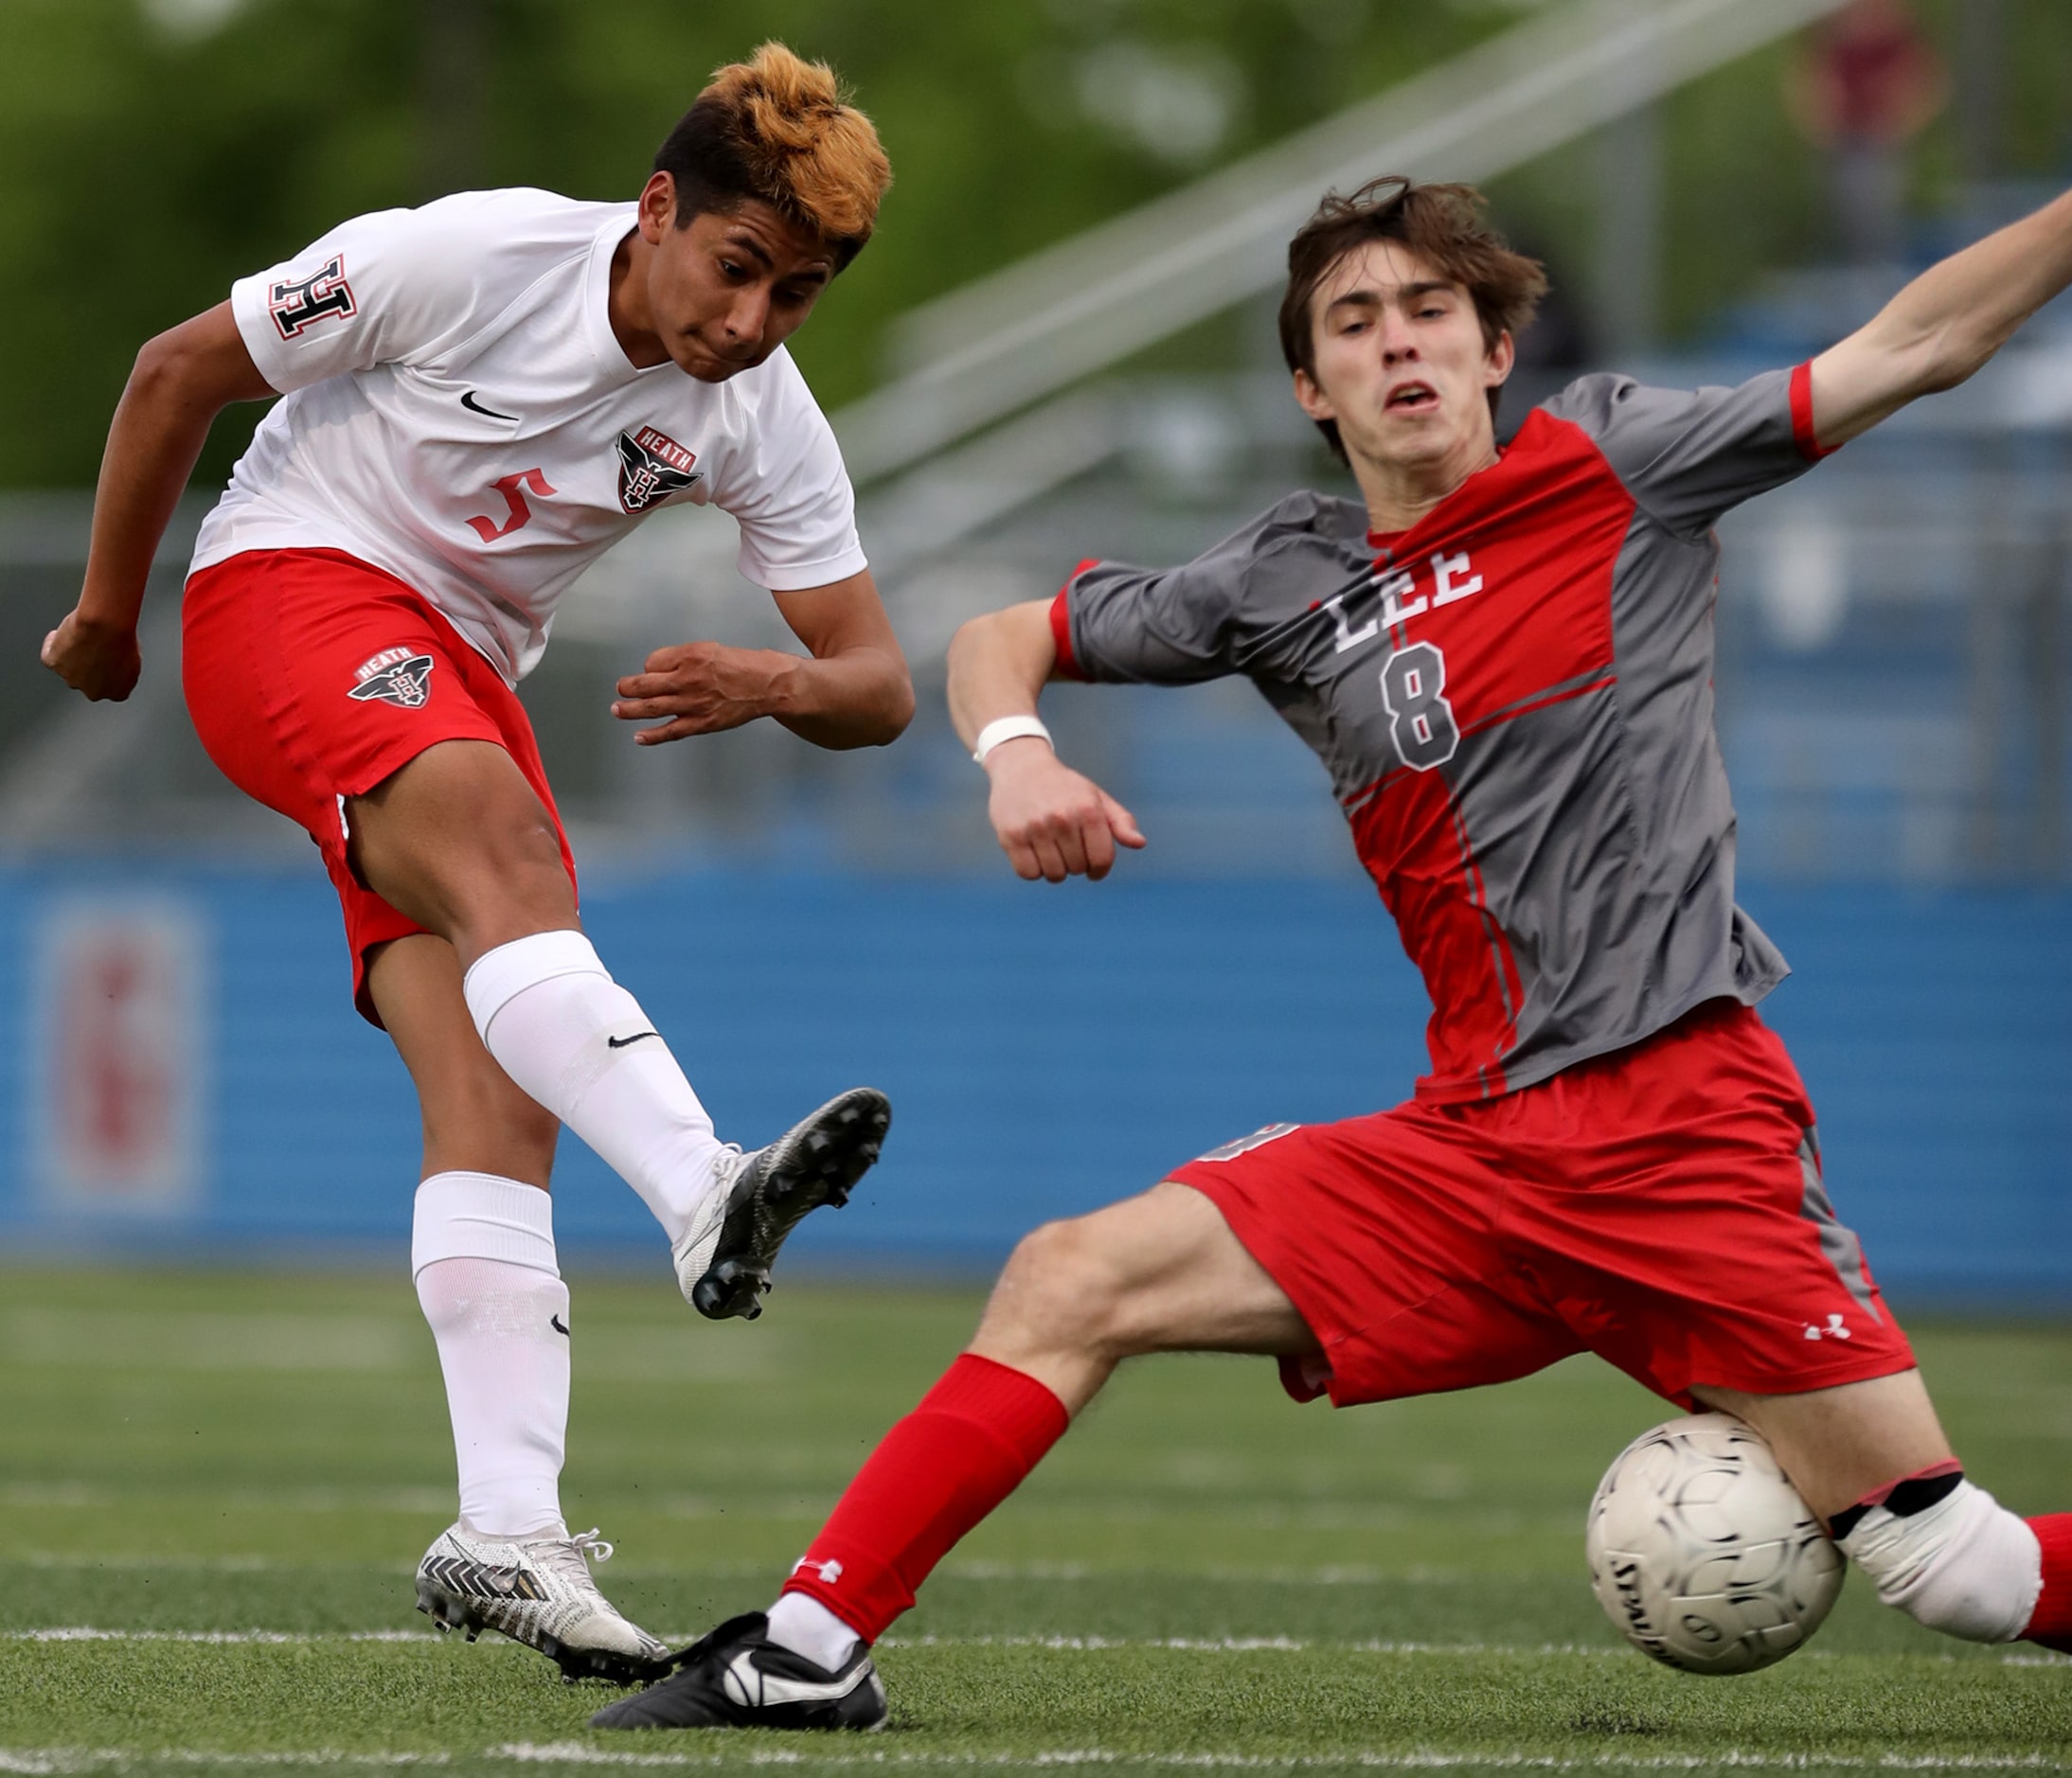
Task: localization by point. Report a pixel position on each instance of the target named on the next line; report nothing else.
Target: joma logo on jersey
(324, 295)
(1454, 578)
(651, 467)
(395, 676)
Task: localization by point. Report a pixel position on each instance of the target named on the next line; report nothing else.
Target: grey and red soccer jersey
(1514, 702)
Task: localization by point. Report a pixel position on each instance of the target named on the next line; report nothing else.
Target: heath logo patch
(296, 304)
(395, 676)
(651, 467)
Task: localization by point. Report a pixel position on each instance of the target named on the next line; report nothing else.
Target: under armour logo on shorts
(395, 676)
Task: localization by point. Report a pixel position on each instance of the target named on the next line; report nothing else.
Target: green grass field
(216, 1487)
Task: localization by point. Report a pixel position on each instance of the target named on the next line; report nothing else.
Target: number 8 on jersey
(1420, 720)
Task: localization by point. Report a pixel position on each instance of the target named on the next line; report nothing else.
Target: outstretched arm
(1943, 326)
(1051, 822)
(182, 381)
(852, 692)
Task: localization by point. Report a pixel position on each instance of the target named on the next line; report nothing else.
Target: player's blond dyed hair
(780, 130)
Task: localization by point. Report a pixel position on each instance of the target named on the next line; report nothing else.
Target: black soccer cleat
(772, 1190)
(737, 1678)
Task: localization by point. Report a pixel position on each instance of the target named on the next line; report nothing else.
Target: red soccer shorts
(1661, 1206)
(311, 677)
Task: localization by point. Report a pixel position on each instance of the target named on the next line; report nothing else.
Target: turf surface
(215, 1489)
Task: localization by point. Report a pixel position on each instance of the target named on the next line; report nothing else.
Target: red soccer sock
(936, 1474)
(2051, 1624)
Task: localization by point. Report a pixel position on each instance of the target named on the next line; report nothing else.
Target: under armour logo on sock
(554, 1322)
(619, 1043)
(829, 1572)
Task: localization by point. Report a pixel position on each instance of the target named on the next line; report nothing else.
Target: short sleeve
(389, 287)
(1688, 455)
(788, 489)
(1214, 615)
(1157, 627)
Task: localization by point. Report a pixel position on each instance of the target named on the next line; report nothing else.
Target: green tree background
(157, 149)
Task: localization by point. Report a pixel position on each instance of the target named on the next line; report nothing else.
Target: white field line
(1248, 1510)
(577, 1753)
(95, 1496)
(83, 1633)
(1331, 1575)
(1071, 1644)
(68, 1495)
(66, 1760)
(60, 1761)
(1241, 1645)
(395, 1566)
(1074, 1644)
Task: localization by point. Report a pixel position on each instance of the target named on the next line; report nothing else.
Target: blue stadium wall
(1046, 1050)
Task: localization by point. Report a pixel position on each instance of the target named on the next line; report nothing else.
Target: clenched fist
(1051, 820)
(93, 658)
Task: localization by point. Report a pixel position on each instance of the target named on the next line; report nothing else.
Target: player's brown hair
(1446, 226)
(778, 128)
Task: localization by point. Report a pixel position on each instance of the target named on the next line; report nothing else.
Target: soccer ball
(1702, 1551)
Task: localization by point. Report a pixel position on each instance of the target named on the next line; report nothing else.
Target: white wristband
(1006, 728)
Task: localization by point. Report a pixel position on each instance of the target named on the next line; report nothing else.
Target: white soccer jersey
(460, 414)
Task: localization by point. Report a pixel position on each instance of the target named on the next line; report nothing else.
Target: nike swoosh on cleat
(554, 1322)
(748, 1684)
(619, 1043)
(468, 402)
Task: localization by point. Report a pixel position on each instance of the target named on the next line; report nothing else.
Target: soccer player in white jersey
(481, 397)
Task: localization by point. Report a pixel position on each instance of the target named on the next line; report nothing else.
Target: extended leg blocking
(1936, 1547)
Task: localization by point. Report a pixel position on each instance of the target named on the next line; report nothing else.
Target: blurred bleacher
(184, 1073)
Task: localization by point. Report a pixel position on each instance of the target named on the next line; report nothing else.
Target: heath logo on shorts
(651, 467)
(395, 676)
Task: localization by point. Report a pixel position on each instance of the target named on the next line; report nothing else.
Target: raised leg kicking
(481, 397)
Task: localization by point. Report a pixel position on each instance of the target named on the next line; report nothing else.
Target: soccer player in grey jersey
(480, 397)
(1503, 660)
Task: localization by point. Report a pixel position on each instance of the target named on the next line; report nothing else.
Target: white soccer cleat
(723, 1259)
(537, 1591)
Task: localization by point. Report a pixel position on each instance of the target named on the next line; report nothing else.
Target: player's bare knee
(514, 885)
(1058, 1291)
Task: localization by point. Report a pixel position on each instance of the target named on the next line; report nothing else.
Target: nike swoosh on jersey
(748, 1684)
(619, 1043)
(468, 402)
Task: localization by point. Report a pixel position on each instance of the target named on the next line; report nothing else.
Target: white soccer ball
(1703, 1553)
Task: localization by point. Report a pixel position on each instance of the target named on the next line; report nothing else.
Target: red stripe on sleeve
(1061, 624)
(1809, 445)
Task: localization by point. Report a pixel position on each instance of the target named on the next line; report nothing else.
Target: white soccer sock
(801, 1623)
(1962, 1564)
(482, 1253)
(580, 1044)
